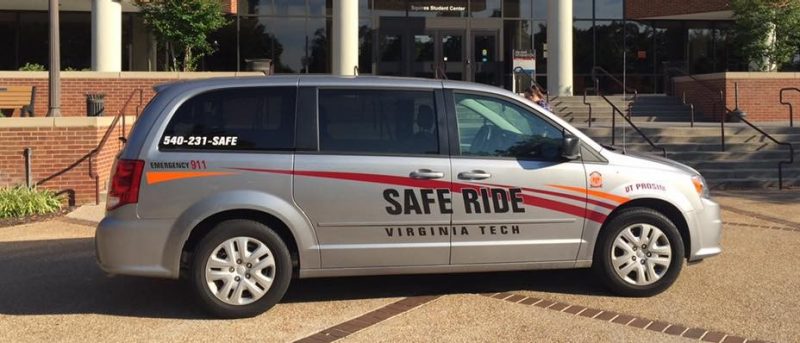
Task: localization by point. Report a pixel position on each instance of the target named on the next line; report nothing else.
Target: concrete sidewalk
(55, 291)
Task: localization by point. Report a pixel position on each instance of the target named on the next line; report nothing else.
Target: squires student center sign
(437, 8)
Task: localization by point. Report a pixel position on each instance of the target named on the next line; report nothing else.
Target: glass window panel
(486, 8)
(365, 46)
(582, 48)
(256, 7)
(242, 118)
(517, 8)
(290, 7)
(639, 37)
(377, 121)
(539, 8)
(608, 9)
(8, 26)
(224, 41)
(670, 44)
(390, 8)
(319, 45)
(452, 48)
(423, 48)
(581, 9)
(493, 127)
(391, 48)
(610, 46)
(34, 35)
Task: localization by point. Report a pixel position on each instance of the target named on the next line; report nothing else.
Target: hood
(657, 159)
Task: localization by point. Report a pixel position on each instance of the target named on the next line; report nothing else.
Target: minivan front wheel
(241, 269)
(640, 253)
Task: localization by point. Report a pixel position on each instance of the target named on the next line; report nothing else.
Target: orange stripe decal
(158, 177)
(608, 196)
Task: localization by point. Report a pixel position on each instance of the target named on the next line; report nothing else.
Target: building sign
(437, 8)
(525, 59)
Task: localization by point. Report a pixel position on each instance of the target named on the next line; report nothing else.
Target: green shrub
(23, 202)
(32, 67)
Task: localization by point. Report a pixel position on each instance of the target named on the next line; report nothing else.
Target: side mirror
(570, 146)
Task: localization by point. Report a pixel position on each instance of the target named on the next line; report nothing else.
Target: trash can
(260, 64)
(95, 104)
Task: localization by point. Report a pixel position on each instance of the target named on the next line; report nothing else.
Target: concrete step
(741, 173)
(755, 140)
(683, 129)
(749, 183)
(641, 145)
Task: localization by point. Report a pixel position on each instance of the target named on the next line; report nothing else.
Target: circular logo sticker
(595, 180)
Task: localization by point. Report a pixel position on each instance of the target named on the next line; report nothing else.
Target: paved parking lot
(52, 290)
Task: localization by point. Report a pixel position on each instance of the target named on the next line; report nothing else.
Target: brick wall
(759, 94)
(635, 9)
(117, 87)
(57, 143)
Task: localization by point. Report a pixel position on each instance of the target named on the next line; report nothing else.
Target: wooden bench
(18, 97)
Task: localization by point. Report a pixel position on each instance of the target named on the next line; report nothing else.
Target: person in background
(537, 96)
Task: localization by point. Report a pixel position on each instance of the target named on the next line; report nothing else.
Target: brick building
(473, 39)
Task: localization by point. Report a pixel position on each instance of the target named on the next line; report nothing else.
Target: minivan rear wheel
(639, 253)
(240, 269)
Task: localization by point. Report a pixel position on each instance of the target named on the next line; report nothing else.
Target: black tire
(241, 228)
(604, 268)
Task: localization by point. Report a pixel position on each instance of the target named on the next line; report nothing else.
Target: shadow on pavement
(61, 277)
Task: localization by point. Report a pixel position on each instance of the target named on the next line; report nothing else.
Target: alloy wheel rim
(240, 270)
(641, 254)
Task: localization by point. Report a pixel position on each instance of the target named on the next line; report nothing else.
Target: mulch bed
(6, 222)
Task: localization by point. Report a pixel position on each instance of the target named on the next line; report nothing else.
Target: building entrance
(427, 47)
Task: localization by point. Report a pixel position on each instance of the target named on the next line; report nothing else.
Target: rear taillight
(124, 187)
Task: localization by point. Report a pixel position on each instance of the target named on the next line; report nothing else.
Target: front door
(486, 65)
(451, 54)
(376, 189)
(508, 170)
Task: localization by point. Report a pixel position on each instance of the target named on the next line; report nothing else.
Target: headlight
(700, 185)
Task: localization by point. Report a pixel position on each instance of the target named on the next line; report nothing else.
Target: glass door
(450, 54)
(423, 55)
(486, 67)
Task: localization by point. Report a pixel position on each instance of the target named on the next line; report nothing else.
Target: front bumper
(705, 228)
(133, 247)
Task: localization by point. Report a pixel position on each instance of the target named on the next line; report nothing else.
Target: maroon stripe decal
(455, 187)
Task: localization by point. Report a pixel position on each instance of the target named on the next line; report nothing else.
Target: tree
(182, 27)
(766, 31)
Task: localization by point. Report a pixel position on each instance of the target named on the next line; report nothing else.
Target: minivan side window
(488, 126)
(378, 121)
(247, 119)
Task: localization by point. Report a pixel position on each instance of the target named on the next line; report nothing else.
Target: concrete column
(54, 80)
(106, 35)
(345, 37)
(559, 47)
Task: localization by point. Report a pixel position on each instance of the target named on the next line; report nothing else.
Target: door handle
(474, 175)
(426, 174)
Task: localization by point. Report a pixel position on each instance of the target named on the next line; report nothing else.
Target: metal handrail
(716, 103)
(616, 110)
(791, 110)
(780, 163)
(439, 70)
(613, 78)
(92, 153)
(691, 107)
(585, 92)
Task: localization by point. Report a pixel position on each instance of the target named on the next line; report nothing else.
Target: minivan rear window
(256, 118)
(378, 121)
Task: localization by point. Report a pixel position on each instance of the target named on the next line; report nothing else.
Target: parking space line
(633, 321)
(77, 221)
(782, 222)
(371, 318)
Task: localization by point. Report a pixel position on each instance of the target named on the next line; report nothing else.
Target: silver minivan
(241, 184)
